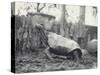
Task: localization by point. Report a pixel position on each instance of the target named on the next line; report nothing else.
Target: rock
(92, 46)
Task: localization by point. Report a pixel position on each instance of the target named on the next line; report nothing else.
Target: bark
(63, 25)
(38, 7)
(81, 26)
(62, 21)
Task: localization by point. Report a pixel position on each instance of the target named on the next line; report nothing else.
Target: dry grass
(37, 62)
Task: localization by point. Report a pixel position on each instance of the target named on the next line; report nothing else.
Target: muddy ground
(38, 62)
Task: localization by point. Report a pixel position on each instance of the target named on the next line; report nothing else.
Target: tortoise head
(39, 26)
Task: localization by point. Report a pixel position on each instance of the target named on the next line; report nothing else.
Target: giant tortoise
(59, 45)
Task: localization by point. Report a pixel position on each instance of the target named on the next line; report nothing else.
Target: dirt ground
(38, 62)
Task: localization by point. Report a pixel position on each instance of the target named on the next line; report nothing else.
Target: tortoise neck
(43, 35)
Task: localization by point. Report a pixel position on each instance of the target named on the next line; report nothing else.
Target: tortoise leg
(77, 55)
(47, 53)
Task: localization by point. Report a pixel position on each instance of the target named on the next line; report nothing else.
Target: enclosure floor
(38, 62)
